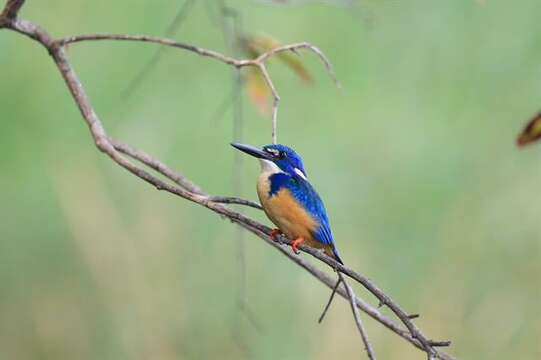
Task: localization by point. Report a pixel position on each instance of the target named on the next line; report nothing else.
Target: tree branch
(328, 305)
(157, 165)
(234, 200)
(259, 62)
(11, 10)
(357, 318)
(179, 185)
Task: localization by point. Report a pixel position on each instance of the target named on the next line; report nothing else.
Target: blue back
(303, 192)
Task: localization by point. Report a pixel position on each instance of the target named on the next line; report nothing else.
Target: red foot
(295, 244)
(275, 233)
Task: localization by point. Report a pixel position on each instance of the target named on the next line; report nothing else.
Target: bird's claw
(295, 245)
(275, 233)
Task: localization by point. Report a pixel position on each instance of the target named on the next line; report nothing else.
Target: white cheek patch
(269, 167)
(300, 173)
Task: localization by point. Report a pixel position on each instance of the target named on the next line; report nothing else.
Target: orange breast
(288, 215)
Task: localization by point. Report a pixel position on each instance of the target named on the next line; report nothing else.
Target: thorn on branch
(413, 316)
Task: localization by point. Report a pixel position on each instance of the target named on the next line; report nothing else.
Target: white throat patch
(268, 167)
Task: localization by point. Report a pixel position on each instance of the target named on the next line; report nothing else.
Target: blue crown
(286, 158)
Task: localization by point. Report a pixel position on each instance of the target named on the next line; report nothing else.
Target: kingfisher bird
(289, 200)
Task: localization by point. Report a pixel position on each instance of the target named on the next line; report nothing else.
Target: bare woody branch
(357, 317)
(179, 185)
(234, 200)
(11, 10)
(259, 62)
(177, 178)
(157, 165)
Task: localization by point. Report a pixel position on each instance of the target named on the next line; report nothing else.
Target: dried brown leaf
(532, 131)
(258, 90)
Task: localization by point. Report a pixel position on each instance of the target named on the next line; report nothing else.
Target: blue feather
(309, 199)
(277, 181)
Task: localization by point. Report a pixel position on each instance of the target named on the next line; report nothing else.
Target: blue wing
(305, 194)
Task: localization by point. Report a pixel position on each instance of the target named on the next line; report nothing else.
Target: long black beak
(252, 150)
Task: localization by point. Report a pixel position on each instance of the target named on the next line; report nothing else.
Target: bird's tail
(337, 255)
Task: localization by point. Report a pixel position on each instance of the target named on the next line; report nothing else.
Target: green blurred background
(415, 158)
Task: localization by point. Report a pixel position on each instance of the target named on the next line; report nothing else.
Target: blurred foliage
(256, 87)
(415, 158)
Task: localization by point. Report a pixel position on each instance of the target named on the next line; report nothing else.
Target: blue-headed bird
(289, 200)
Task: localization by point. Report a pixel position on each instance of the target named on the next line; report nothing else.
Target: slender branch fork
(259, 62)
(177, 184)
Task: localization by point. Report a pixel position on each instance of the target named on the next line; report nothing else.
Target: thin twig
(261, 59)
(302, 45)
(357, 317)
(118, 153)
(258, 62)
(177, 178)
(275, 100)
(155, 40)
(328, 305)
(157, 165)
(234, 200)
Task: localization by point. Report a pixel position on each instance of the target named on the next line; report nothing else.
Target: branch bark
(177, 184)
(357, 317)
(11, 10)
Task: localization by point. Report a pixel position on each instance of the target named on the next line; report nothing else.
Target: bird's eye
(282, 154)
(273, 152)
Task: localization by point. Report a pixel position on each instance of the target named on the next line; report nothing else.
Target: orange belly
(288, 215)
